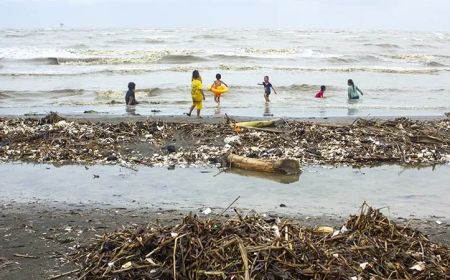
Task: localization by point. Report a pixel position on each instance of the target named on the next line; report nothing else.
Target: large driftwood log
(282, 166)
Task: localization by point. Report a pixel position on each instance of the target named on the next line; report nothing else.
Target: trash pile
(367, 246)
(56, 140)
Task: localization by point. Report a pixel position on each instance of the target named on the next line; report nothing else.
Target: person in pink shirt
(321, 91)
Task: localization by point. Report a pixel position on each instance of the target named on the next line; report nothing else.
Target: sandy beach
(39, 237)
(81, 170)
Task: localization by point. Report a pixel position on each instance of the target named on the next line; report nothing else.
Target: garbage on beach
(252, 247)
(54, 139)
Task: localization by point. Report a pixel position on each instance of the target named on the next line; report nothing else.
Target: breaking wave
(170, 59)
(362, 69)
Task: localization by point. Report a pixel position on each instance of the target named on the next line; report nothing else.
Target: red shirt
(319, 94)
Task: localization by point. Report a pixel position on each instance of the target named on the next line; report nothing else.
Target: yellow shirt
(197, 90)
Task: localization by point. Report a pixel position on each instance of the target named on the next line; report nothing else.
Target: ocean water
(70, 71)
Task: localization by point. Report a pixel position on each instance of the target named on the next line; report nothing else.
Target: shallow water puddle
(330, 191)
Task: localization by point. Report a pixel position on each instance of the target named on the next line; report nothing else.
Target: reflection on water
(337, 191)
(267, 112)
(352, 108)
(280, 178)
(217, 111)
(130, 109)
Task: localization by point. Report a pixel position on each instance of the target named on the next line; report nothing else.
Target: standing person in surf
(197, 93)
(267, 88)
(130, 97)
(216, 84)
(353, 90)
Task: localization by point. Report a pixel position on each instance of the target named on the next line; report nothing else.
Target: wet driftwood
(282, 166)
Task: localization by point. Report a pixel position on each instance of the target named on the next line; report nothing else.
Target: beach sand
(38, 237)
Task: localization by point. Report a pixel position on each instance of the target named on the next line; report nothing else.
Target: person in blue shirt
(267, 88)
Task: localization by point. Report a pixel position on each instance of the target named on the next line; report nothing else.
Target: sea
(76, 71)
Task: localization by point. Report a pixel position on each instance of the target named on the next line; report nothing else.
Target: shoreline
(211, 119)
(38, 237)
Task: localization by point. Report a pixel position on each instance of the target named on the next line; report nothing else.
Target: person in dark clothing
(130, 98)
(267, 88)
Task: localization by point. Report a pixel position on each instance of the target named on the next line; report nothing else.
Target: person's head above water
(131, 86)
(323, 88)
(218, 76)
(350, 82)
(195, 75)
(266, 79)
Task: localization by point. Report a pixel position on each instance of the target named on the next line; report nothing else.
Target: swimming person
(217, 83)
(130, 98)
(267, 88)
(321, 91)
(197, 93)
(353, 90)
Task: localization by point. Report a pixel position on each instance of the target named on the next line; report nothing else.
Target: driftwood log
(282, 166)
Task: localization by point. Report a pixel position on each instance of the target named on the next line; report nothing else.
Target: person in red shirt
(320, 93)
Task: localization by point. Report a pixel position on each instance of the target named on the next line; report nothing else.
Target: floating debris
(250, 247)
(56, 140)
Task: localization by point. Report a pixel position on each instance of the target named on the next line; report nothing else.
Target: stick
(25, 256)
(63, 274)
(230, 205)
(220, 172)
(244, 258)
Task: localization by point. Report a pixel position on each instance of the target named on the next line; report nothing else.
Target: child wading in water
(197, 93)
(353, 90)
(267, 88)
(217, 83)
(130, 98)
(320, 93)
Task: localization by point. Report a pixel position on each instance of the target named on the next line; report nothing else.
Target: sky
(427, 15)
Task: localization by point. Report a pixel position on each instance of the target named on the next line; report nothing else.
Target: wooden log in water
(282, 166)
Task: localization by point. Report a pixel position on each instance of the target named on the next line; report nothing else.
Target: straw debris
(368, 246)
(53, 139)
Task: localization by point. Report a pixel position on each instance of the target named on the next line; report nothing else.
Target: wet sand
(37, 238)
(214, 119)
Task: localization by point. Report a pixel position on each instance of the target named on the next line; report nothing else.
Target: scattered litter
(53, 139)
(207, 211)
(363, 265)
(325, 229)
(419, 266)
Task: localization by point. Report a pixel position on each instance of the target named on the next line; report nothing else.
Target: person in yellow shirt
(197, 93)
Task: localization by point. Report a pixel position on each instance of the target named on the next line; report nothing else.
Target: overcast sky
(342, 14)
